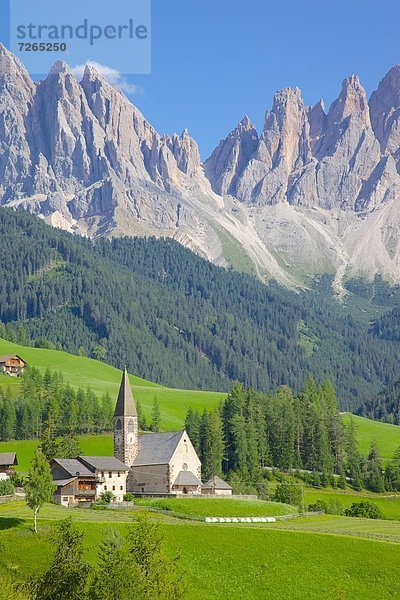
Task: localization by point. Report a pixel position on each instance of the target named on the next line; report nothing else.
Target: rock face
(318, 190)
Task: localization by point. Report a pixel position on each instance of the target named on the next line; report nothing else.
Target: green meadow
(81, 372)
(219, 507)
(388, 503)
(386, 435)
(314, 558)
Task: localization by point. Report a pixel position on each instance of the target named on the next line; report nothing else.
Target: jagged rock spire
(126, 406)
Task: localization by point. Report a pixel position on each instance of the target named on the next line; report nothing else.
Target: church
(159, 463)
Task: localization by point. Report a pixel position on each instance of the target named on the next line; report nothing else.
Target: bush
(366, 510)
(6, 487)
(106, 498)
(129, 497)
(332, 507)
(288, 493)
(18, 480)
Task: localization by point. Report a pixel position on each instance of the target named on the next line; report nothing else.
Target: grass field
(82, 372)
(312, 558)
(387, 436)
(390, 505)
(91, 445)
(220, 507)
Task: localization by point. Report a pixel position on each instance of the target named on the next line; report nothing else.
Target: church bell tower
(126, 425)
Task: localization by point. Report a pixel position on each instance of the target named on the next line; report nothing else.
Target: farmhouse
(217, 487)
(160, 463)
(8, 460)
(12, 364)
(84, 479)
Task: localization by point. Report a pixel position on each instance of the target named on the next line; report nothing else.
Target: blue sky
(216, 60)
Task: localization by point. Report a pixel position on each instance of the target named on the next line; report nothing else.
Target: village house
(8, 460)
(12, 364)
(160, 463)
(84, 479)
(216, 487)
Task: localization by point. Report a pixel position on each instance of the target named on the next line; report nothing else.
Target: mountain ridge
(316, 191)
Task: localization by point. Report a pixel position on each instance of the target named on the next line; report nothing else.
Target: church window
(119, 424)
(184, 467)
(131, 426)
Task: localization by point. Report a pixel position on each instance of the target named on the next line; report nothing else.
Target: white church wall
(184, 459)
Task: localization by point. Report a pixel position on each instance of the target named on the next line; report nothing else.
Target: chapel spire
(125, 406)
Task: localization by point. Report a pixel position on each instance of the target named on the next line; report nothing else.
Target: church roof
(104, 463)
(157, 448)
(186, 478)
(217, 483)
(125, 404)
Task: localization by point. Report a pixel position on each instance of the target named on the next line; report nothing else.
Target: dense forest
(385, 406)
(251, 432)
(176, 319)
(48, 399)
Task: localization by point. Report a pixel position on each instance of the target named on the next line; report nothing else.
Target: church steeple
(126, 406)
(126, 425)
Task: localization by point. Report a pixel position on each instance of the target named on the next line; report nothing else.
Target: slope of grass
(91, 445)
(389, 504)
(388, 531)
(220, 507)
(82, 372)
(386, 435)
(235, 562)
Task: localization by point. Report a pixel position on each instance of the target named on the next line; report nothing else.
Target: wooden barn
(12, 364)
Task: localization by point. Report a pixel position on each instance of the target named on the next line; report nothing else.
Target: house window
(102, 473)
(119, 474)
(65, 499)
(121, 487)
(110, 475)
(113, 488)
(105, 488)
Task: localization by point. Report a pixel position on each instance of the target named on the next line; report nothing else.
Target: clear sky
(216, 60)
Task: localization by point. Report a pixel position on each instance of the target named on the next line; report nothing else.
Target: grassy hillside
(389, 504)
(220, 507)
(387, 436)
(286, 561)
(82, 372)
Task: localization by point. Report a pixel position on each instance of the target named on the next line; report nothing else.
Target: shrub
(6, 487)
(332, 507)
(129, 497)
(288, 493)
(106, 498)
(366, 510)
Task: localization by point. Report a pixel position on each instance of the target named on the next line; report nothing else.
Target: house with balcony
(82, 480)
(12, 365)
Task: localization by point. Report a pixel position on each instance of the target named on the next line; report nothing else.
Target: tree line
(251, 433)
(46, 401)
(178, 320)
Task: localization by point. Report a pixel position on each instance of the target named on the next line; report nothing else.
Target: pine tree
(162, 576)
(156, 416)
(374, 479)
(49, 444)
(353, 456)
(117, 576)
(68, 573)
(39, 487)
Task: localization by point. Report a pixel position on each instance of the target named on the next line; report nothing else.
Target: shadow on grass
(9, 523)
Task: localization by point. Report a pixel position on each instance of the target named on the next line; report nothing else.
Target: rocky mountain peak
(385, 112)
(352, 102)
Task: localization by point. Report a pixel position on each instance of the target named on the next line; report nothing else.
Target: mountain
(317, 191)
(178, 320)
